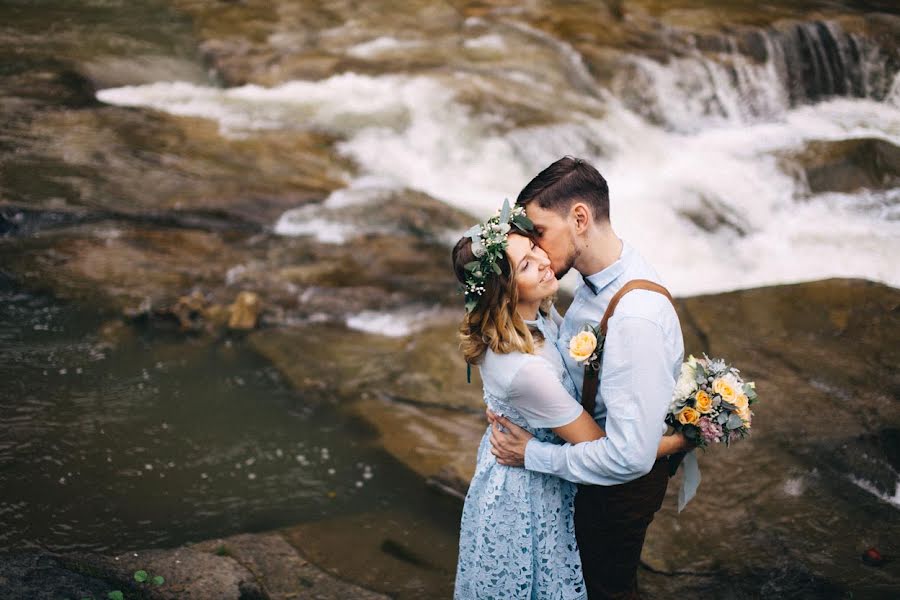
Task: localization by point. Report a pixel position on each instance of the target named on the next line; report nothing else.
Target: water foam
(397, 323)
(872, 489)
(710, 207)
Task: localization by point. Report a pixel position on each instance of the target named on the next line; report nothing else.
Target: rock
(41, 576)
(260, 566)
(848, 165)
(281, 572)
(244, 311)
(386, 550)
(126, 269)
(188, 310)
(411, 389)
(823, 355)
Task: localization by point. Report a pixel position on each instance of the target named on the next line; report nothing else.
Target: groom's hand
(509, 446)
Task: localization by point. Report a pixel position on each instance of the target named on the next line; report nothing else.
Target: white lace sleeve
(538, 395)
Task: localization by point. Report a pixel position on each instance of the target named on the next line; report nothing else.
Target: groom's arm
(636, 384)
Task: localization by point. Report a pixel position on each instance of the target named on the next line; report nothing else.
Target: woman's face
(535, 279)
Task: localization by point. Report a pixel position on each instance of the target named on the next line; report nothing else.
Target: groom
(621, 483)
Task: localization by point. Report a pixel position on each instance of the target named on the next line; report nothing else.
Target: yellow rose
(741, 401)
(688, 416)
(582, 346)
(724, 389)
(703, 402)
(744, 414)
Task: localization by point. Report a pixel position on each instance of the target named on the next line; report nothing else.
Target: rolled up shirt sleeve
(636, 385)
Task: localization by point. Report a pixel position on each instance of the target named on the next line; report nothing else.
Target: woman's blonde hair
(494, 322)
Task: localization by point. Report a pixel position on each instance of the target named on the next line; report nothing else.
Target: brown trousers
(610, 525)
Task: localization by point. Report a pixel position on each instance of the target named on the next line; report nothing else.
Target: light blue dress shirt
(641, 362)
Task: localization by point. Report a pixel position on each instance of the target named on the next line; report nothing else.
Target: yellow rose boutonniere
(583, 345)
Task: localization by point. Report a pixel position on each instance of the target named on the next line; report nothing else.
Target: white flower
(686, 384)
(478, 248)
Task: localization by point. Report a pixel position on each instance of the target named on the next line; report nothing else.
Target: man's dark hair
(564, 182)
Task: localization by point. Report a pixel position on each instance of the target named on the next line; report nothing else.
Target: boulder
(244, 312)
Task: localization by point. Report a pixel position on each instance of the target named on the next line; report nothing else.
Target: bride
(517, 536)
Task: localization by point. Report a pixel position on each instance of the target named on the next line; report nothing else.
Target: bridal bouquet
(711, 403)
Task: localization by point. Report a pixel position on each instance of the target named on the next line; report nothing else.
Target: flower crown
(489, 241)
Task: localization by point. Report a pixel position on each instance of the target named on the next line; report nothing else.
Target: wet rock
(38, 575)
(848, 165)
(411, 389)
(384, 550)
(128, 270)
(281, 571)
(821, 354)
(138, 161)
(259, 566)
(188, 310)
(244, 312)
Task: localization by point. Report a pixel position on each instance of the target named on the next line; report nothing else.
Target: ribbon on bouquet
(690, 479)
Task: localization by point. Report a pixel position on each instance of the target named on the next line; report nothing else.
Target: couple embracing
(572, 469)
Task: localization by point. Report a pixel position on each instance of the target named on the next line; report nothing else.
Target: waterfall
(755, 75)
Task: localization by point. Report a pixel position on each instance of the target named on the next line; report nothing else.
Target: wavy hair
(494, 322)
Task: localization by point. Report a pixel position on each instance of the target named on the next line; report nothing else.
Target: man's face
(554, 236)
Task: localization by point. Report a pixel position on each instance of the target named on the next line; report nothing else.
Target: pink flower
(711, 432)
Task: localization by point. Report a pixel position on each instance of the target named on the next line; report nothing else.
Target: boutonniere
(586, 347)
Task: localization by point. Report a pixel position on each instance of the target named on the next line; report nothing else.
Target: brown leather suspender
(591, 377)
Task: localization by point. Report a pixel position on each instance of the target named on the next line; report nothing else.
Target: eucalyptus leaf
(722, 418)
(734, 422)
(729, 406)
(524, 222)
(496, 268)
(504, 212)
(472, 266)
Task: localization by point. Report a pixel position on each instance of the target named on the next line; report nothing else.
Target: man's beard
(568, 264)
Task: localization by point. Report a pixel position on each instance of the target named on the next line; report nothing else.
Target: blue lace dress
(517, 535)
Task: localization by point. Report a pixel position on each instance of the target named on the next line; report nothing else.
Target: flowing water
(693, 146)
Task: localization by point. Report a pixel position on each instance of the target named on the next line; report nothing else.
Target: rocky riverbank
(795, 504)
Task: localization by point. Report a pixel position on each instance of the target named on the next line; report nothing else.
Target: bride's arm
(542, 399)
(582, 429)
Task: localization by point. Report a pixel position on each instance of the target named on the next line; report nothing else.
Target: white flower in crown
(489, 242)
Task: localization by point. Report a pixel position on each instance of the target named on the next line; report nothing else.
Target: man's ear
(581, 217)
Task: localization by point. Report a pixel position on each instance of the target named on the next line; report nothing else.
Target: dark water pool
(113, 438)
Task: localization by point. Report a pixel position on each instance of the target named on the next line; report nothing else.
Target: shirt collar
(538, 323)
(601, 279)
